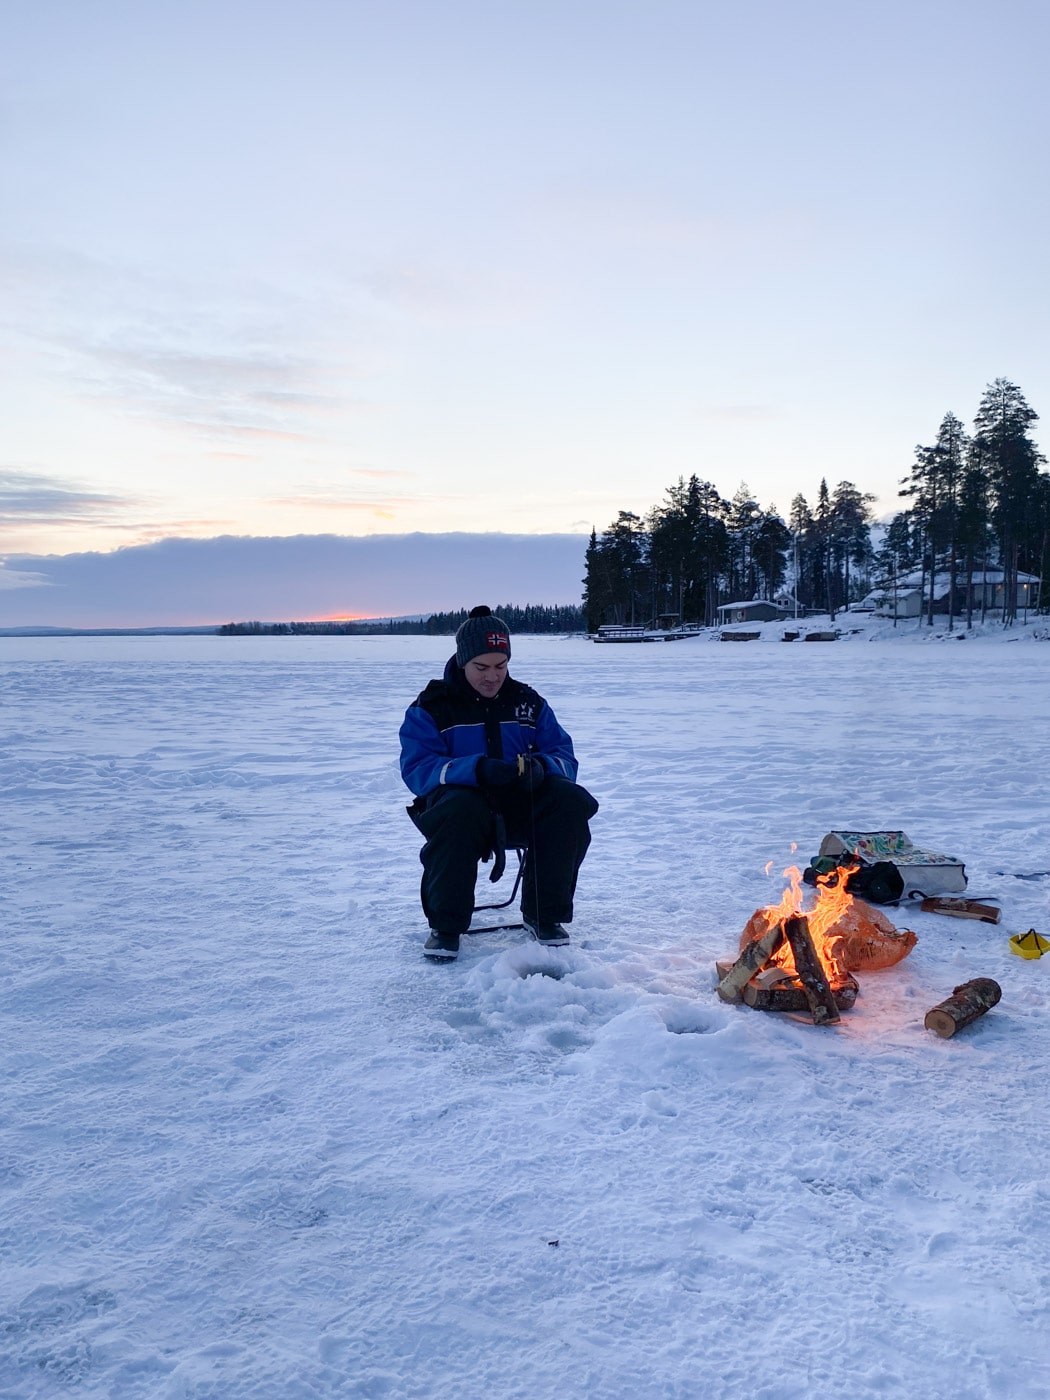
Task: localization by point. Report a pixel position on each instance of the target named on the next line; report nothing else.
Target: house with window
(758, 610)
(910, 599)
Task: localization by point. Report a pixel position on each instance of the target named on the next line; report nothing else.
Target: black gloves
(495, 772)
(499, 773)
(533, 775)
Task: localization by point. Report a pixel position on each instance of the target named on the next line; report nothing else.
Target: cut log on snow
(753, 957)
(966, 1003)
(811, 971)
(961, 908)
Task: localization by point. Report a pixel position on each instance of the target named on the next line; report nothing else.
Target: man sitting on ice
(490, 765)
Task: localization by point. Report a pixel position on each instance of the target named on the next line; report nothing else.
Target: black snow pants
(459, 824)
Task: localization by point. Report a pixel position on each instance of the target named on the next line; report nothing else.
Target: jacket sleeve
(425, 760)
(554, 746)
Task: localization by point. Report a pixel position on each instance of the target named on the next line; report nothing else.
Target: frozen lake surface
(252, 1145)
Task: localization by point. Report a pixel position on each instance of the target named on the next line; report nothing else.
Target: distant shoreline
(849, 628)
(109, 631)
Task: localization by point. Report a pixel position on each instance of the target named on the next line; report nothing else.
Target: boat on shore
(617, 632)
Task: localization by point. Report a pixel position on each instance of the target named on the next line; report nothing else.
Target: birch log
(961, 908)
(966, 1003)
(755, 955)
(811, 971)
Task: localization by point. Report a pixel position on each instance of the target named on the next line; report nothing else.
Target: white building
(910, 599)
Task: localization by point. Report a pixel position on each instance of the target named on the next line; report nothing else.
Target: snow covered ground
(251, 1145)
(855, 627)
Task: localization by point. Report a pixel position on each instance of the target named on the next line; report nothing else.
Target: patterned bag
(889, 858)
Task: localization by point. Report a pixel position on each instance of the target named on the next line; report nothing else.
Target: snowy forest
(537, 618)
(976, 501)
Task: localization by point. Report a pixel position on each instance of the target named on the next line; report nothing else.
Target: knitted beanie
(481, 633)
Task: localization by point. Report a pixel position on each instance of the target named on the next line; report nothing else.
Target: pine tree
(596, 593)
(1011, 462)
(708, 550)
(670, 542)
(851, 531)
(823, 533)
(974, 525)
(742, 520)
(899, 551)
(772, 540)
(1040, 556)
(950, 457)
(920, 486)
(934, 485)
(801, 525)
(622, 571)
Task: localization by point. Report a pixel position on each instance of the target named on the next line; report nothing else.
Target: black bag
(879, 883)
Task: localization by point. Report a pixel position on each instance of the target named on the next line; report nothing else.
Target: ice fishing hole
(688, 1022)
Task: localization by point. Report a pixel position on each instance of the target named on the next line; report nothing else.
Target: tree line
(977, 502)
(695, 551)
(533, 617)
(285, 629)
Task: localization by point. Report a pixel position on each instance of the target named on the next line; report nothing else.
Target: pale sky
(273, 269)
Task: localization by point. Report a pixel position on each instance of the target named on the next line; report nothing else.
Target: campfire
(803, 960)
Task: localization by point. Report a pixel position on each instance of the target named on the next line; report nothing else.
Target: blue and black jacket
(450, 726)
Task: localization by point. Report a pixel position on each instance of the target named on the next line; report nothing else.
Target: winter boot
(550, 935)
(441, 947)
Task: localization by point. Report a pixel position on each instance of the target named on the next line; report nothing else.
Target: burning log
(786, 993)
(767, 986)
(966, 1003)
(810, 971)
(754, 956)
(865, 938)
(789, 961)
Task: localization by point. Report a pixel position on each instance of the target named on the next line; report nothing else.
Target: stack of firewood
(756, 979)
(759, 982)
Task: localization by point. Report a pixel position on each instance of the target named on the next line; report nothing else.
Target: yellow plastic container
(1029, 945)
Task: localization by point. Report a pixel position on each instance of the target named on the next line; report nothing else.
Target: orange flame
(790, 900)
(831, 902)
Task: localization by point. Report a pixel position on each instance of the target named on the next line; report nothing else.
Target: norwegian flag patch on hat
(481, 633)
